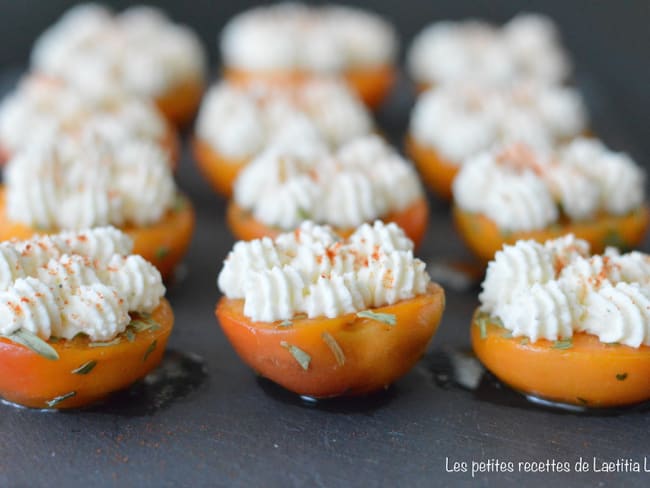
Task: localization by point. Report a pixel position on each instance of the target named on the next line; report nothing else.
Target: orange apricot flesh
(484, 238)
(413, 220)
(437, 172)
(179, 103)
(219, 171)
(84, 372)
(348, 355)
(371, 84)
(163, 244)
(587, 372)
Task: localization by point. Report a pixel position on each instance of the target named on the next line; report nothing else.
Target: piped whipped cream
(288, 184)
(462, 119)
(553, 290)
(68, 183)
(521, 188)
(41, 108)
(238, 122)
(70, 283)
(294, 36)
(312, 271)
(525, 48)
(138, 50)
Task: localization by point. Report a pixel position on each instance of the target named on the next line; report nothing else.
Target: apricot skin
(375, 354)
(588, 373)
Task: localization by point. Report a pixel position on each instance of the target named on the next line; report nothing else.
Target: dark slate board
(206, 420)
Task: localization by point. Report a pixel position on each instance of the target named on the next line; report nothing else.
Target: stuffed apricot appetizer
(80, 318)
(527, 48)
(558, 323)
(327, 317)
(288, 44)
(236, 123)
(455, 122)
(517, 192)
(43, 107)
(139, 50)
(364, 180)
(68, 184)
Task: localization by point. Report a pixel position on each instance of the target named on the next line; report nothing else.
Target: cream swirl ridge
(139, 50)
(61, 286)
(76, 184)
(556, 290)
(41, 107)
(524, 188)
(311, 271)
(462, 119)
(238, 122)
(344, 189)
(293, 36)
(527, 47)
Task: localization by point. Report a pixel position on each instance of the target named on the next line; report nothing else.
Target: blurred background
(609, 42)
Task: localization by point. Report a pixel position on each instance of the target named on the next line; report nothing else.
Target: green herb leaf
(507, 334)
(34, 343)
(495, 321)
(130, 335)
(334, 347)
(180, 202)
(386, 318)
(57, 400)
(563, 344)
(481, 323)
(524, 341)
(114, 342)
(162, 252)
(85, 368)
(150, 349)
(285, 323)
(613, 238)
(303, 214)
(298, 354)
(144, 323)
(621, 376)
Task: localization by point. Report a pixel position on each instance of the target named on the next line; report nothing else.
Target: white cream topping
(525, 48)
(40, 108)
(311, 271)
(66, 183)
(515, 200)
(620, 181)
(139, 50)
(294, 36)
(553, 290)
(522, 188)
(462, 119)
(343, 189)
(70, 283)
(239, 122)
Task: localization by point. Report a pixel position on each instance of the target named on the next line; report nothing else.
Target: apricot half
(371, 84)
(437, 172)
(163, 244)
(413, 220)
(354, 354)
(580, 371)
(484, 238)
(84, 371)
